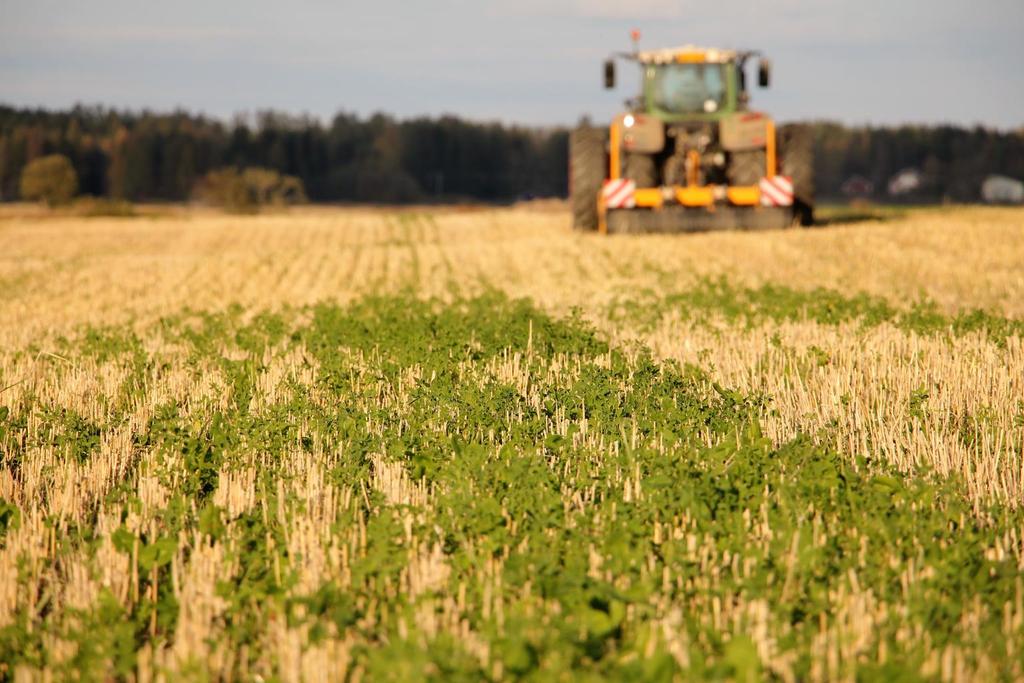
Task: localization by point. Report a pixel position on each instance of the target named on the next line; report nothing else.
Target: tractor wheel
(747, 168)
(796, 155)
(586, 175)
(640, 169)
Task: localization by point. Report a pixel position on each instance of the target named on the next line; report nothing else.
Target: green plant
(50, 179)
(480, 489)
(247, 190)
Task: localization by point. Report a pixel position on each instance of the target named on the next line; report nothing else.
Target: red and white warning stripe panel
(777, 191)
(619, 193)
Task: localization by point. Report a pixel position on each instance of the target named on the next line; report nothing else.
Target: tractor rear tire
(640, 169)
(796, 154)
(747, 167)
(587, 168)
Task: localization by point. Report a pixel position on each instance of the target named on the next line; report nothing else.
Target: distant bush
(248, 190)
(49, 179)
(270, 187)
(225, 187)
(98, 206)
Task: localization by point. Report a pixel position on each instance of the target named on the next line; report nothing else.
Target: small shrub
(50, 179)
(94, 207)
(225, 187)
(270, 187)
(246, 191)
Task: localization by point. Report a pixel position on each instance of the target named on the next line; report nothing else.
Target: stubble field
(369, 444)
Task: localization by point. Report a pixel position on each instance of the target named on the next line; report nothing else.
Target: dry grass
(59, 273)
(63, 272)
(858, 386)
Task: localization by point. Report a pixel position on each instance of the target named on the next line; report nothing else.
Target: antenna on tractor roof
(635, 35)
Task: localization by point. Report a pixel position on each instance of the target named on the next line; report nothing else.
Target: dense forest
(148, 157)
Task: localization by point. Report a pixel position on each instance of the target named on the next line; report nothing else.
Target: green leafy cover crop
(509, 498)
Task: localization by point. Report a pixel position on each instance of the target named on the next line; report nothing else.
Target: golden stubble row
(947, 405)
(60, 272)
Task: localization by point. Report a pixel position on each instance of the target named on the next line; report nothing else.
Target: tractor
(689, 153)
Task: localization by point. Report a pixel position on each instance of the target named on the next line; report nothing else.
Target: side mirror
(609, 75)
(764, 73)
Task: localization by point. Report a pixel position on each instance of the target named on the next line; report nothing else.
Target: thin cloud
(596, 9)
(634, 9)
(135, 34)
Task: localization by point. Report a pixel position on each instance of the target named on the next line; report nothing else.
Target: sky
(535, 62)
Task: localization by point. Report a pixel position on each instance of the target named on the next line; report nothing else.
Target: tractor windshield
(687, 88)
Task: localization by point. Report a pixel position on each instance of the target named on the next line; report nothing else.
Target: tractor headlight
(718, 159)
(628, 121)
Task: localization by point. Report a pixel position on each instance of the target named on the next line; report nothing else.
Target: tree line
(953, 161)
(144, 156)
